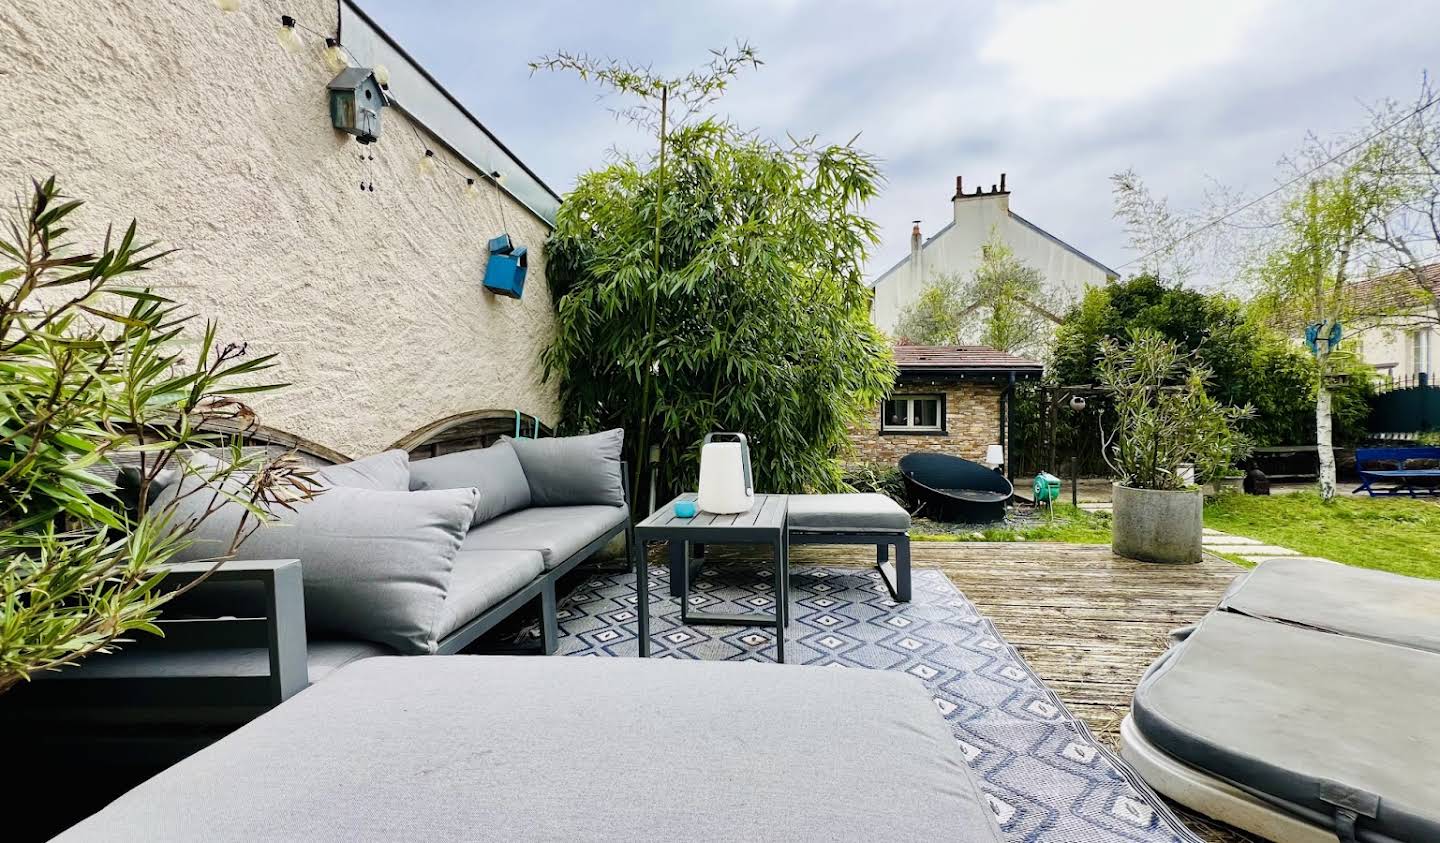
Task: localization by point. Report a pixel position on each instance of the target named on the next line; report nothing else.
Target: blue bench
(1403, 476)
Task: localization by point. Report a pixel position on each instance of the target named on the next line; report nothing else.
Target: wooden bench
(1406, 480)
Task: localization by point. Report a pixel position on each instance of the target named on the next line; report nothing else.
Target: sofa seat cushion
(556, 532)
(482, 578)
(527, 749)
(851, 513)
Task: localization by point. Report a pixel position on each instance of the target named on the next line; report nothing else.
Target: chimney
(999, 192)
(917, 270)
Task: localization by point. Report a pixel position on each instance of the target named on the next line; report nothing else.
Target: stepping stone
(1210, 532)
(1224, 539)
(1256, 560)
(1255, 549)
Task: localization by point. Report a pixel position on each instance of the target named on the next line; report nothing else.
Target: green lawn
(1392, 534)
(1069, 524)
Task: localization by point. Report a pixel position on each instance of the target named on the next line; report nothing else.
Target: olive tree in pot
(1165, 423)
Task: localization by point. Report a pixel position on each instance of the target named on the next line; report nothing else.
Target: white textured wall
(197, 123)
(1392, 343)
(957, 250)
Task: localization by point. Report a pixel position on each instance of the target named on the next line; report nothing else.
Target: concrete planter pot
(1157, 526)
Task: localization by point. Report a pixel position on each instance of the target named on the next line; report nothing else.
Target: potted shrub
(1166, 423)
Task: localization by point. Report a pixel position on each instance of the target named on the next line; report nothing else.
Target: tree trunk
(1322, 439)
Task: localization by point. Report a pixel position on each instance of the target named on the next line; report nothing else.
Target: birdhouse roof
(350, 78)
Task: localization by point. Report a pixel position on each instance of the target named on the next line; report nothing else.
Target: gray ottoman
(529, 749)
(861, 518)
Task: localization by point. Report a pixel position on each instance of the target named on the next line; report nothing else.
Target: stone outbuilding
(951, 399)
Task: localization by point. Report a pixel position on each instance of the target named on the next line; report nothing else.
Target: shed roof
(962, 360)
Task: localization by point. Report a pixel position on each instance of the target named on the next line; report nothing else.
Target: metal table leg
(642, 599)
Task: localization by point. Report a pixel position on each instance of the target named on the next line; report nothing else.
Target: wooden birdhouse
(355, 102)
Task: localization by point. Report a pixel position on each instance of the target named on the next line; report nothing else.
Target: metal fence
(1405, 405)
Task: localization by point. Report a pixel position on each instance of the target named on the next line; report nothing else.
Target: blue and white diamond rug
(1045, 776)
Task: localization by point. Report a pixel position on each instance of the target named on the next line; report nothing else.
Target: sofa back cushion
(573, 470)
(384, 472)
(495, 471)
(376, 564)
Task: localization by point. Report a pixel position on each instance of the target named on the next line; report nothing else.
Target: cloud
(1059, 94)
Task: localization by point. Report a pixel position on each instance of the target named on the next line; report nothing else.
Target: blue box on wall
(505, 271)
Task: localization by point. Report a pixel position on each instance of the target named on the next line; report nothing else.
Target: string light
(338, 57)
(287, 36)
(334, 56)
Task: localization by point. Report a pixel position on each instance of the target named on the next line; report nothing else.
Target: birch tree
(1307, 275)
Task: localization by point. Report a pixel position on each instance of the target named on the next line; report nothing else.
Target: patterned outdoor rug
(1045, 776)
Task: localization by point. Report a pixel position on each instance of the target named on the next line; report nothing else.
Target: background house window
(1419, 352)
(924, 413)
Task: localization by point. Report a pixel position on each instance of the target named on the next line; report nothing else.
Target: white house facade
(955, 248)
(1404, 343)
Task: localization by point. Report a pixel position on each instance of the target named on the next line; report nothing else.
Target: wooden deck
(1088, 621)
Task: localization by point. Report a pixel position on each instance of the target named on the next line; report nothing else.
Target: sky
(1057, 94)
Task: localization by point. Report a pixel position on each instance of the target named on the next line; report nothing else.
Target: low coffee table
(764, 523)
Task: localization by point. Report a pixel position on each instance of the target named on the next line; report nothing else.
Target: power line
(1262, 197)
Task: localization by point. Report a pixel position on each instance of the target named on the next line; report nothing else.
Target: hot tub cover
(1303, 718)
(1339, 598)
(496, 748)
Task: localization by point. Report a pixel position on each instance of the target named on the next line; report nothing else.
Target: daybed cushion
(376, 565)
(1353, 601)
(495, 471)
(864, 512)
(557, 532)
(482, 578)
(573, 470)
(388, 471)
(1278, 709)
(530, 749)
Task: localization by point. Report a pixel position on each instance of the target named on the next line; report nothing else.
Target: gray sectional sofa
(393, 557)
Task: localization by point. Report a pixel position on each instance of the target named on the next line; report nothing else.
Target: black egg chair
(948, 488)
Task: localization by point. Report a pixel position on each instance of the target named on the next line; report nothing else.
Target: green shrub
(93, 369)
(875, 477)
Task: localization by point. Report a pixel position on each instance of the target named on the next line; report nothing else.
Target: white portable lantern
(727, 486)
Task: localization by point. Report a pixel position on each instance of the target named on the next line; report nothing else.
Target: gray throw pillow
(573, 470)
(376, 564)
(388, 471)
(495, 471)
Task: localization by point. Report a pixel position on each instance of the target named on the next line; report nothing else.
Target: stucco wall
(972, 421)
(197, 123)
(957, 250)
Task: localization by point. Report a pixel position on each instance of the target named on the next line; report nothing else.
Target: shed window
(913, 413)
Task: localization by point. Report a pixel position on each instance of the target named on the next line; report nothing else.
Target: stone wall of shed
(972, 421)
